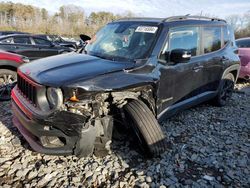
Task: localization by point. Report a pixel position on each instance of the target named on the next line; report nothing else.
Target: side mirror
(84, 37)
(180, 55)
(52, 44)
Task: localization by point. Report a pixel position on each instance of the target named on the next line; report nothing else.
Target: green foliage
(69, 21)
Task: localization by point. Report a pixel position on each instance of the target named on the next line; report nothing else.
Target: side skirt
(176, 108)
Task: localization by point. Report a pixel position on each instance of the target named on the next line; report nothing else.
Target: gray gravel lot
(208, 147)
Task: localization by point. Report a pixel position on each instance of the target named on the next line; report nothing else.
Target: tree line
(69, 20)
(72, 21)
(240, 24)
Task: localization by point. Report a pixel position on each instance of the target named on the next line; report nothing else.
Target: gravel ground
(208, 147)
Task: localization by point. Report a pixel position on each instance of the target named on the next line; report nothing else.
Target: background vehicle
(137, 71)
(244, 54)
(9, 63)
(56, 39)
(31, 46)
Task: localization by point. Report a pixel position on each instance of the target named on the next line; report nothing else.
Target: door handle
(198, 67)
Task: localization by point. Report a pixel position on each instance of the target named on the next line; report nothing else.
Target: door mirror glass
(180, 56)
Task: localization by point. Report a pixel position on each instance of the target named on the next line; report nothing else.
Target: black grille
(28, 89)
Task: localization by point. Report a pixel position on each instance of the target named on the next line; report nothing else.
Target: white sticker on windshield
(146, 29)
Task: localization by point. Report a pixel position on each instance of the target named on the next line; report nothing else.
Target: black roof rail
(136, 18)
(186, 17)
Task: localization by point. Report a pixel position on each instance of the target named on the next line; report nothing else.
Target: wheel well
(234, 72)
(8, 67)
(142, 93)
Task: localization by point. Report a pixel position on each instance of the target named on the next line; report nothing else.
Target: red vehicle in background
(244, 54)
(9, 63)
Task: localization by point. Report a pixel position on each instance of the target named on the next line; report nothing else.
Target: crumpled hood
(68, 68)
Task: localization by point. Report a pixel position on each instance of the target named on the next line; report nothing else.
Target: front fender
(116, 81)
(10, 63)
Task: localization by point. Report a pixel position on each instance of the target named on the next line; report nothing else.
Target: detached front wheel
(7, 80)
(146, 128)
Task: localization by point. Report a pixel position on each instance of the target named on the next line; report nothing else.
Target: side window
(7, 40)
(211, 39)
(226, 35)
(243, 43)
(183, 38)
(22, 40)
(40, 41)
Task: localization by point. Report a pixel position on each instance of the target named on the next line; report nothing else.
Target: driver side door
(179, 79)
(44, 47)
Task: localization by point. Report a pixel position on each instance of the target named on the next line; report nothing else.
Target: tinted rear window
(22, 40)
(7, 40)
(211, 39)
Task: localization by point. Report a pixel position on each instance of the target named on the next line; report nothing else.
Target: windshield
(122, 41)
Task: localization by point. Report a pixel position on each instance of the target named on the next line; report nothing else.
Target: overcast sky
(150, 8)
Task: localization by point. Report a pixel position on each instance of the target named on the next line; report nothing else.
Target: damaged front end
(101, 108)
(70, 120)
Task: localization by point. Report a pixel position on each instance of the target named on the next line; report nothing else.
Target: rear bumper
(70, 129)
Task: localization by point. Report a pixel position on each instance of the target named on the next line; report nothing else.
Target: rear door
(23, 46)
(213, 57)
(45, 47)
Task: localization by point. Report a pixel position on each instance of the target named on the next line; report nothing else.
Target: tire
(226, 89)
(146, 128)
(7, 80)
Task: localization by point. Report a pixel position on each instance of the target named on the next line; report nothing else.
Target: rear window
(7, 40)
(211, 39)
(22, 40)
(243, 43)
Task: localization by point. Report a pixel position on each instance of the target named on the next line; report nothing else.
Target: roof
(24, 35)
(173, 19)
(12, 35)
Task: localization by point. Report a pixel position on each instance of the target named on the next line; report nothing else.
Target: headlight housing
(54, 97)
(25, 59)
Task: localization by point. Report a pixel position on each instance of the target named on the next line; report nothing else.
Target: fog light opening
(51, 141)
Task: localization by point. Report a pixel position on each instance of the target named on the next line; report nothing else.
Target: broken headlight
(55, 97)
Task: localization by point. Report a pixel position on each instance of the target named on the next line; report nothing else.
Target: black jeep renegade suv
(137, 70)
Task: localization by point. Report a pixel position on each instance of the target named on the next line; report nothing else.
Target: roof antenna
(187, 15)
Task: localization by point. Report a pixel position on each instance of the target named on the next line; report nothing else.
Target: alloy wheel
(6, 84)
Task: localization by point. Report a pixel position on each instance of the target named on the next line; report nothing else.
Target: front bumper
(71, 129)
